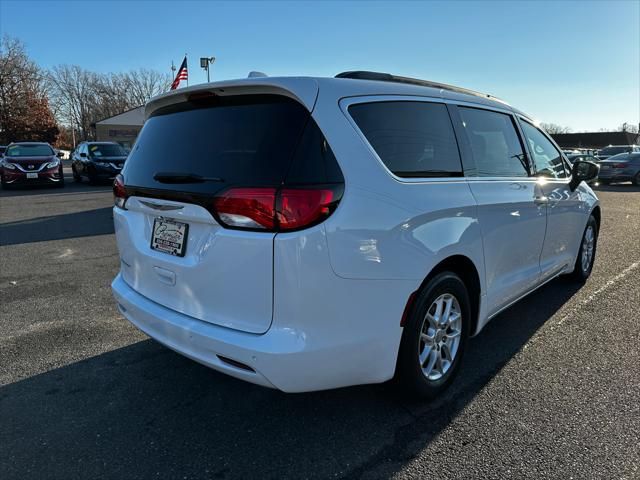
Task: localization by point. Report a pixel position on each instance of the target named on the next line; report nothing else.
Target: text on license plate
(32, 175)
(169, 236)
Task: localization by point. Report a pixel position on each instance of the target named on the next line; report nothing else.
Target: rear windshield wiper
(183, 177)
(428, 173)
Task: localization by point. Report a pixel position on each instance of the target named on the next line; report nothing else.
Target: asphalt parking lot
(550, 389)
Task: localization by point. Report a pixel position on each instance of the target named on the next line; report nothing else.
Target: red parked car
(31, 163)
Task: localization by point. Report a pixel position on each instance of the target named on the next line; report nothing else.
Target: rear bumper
(197, 340)
(280, 358)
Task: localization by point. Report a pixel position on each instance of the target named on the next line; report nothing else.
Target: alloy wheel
(588, 244)
(440, 336)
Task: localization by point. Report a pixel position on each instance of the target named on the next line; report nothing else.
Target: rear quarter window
(413, 139)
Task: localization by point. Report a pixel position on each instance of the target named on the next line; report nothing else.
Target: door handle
(541, 200)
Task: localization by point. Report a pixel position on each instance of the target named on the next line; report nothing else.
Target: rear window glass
(413, 139)
(248, 141)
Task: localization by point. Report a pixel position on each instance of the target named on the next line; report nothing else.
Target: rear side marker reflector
(235, 363)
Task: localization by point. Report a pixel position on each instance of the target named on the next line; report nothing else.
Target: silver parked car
(623, 167)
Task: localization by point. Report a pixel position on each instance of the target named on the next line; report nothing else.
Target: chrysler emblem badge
(31, 167)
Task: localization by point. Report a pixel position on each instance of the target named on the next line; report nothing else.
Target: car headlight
(5, 164)
(102, 164)
(53, 164)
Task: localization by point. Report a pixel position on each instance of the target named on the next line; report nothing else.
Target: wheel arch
(597, 214)
(464, 267)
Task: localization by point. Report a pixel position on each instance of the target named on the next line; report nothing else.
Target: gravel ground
(549, 389)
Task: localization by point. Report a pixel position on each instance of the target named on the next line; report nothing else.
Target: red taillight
(301, 207)
(119, 192)
(247, 207)
(274, 209)
(620, 165)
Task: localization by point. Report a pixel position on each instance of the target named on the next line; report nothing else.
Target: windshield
(41, 150)
(107, 150)
(613, 150)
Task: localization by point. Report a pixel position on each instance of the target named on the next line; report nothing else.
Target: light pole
(205, 62)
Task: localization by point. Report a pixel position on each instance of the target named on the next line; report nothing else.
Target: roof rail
(387, 77)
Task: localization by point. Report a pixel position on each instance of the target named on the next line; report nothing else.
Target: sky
(573, 63)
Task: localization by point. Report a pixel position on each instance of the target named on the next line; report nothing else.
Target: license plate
(32, 175)
(169, 236)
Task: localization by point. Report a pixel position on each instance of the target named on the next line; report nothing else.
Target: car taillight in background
(119, 192)
(276, 209)
(620, 165)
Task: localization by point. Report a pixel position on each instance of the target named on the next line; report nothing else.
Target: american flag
(183, 74)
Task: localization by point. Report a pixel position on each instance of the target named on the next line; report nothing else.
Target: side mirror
(60, 154)
(583, 171)
(83, 155)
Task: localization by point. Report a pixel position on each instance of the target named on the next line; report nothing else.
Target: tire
(60, 184)
(429, 379)
(76, 176)
(92, 180)
(636, 180)
(583, 267)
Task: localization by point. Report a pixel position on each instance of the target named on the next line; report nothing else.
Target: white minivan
(312, 233)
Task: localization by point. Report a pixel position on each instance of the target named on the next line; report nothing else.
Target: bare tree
(143, 84)
(552, 128)
(24, 106)
(82, 98)
(629, 127)
(72, 91)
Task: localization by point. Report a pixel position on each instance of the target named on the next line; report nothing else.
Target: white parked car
(313, 233)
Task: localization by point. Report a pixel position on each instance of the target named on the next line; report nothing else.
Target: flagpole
(185, 57)
(173, 73)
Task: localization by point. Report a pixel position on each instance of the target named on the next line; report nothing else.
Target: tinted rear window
(413, 139)
(248, 141)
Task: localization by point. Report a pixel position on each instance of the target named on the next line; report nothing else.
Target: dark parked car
(31, 163)
(612, 150)
(97, 161)
(623, 167)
